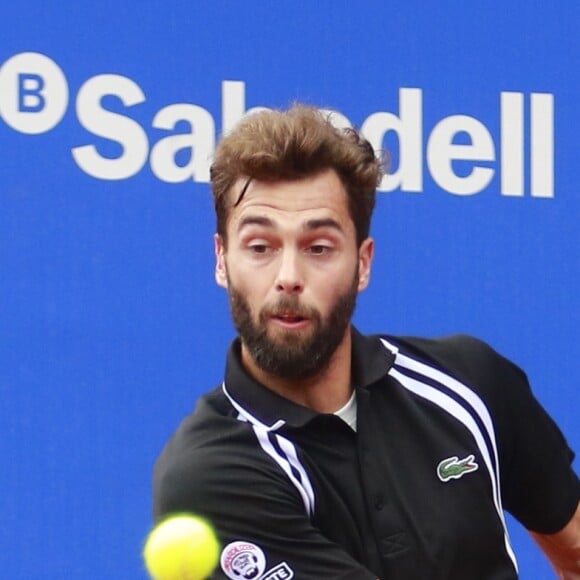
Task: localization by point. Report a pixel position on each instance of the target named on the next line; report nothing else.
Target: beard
(293, 354)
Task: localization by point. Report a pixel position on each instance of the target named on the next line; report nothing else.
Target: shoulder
(201, 431)
(210, 458)
(456, 350)
(467, 359)
(472, 373)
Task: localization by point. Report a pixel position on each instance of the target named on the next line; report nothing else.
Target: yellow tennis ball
(182, 547)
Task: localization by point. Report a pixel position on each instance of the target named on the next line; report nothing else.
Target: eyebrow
(316, 224)
(254, 220)
(310, 225)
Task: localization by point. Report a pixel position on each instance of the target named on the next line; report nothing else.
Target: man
(329, 454)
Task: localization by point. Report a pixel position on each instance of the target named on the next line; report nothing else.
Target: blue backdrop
(110, 322)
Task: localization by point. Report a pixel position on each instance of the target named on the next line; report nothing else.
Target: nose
(289, 279)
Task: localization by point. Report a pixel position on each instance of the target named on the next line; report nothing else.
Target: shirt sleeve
(538, 484)
(258, 515)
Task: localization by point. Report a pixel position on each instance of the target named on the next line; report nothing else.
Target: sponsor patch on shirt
(280, 572)
(243, 561)
(454, 468)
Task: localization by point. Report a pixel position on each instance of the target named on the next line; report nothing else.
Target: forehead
(321, 196)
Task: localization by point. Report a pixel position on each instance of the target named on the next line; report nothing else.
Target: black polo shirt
(448, 435)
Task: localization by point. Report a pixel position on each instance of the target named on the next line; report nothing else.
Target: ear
(365, 258)
(221, 276)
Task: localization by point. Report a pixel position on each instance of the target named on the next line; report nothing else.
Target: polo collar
(256, 403)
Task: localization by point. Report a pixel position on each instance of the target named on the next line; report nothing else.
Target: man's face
(292, 269)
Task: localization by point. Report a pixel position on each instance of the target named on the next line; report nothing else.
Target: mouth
(290, 320)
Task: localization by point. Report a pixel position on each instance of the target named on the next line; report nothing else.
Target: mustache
(289, 305)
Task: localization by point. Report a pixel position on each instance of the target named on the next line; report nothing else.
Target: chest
(412, 491)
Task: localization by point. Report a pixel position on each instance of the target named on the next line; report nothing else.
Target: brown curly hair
(291, 144)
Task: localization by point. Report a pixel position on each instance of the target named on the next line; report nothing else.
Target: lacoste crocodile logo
(454, 468)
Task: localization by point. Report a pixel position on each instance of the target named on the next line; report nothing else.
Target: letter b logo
(33, 93)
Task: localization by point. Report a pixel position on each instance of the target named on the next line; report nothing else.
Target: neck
(325, 392)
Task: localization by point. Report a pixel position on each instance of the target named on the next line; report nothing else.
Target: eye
(258, 248)
(320, 249)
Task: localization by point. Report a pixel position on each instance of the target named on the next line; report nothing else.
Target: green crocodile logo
(454, 468)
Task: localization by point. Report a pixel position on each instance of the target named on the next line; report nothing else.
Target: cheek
(253, 282)
(253, 286)
(326, 291)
